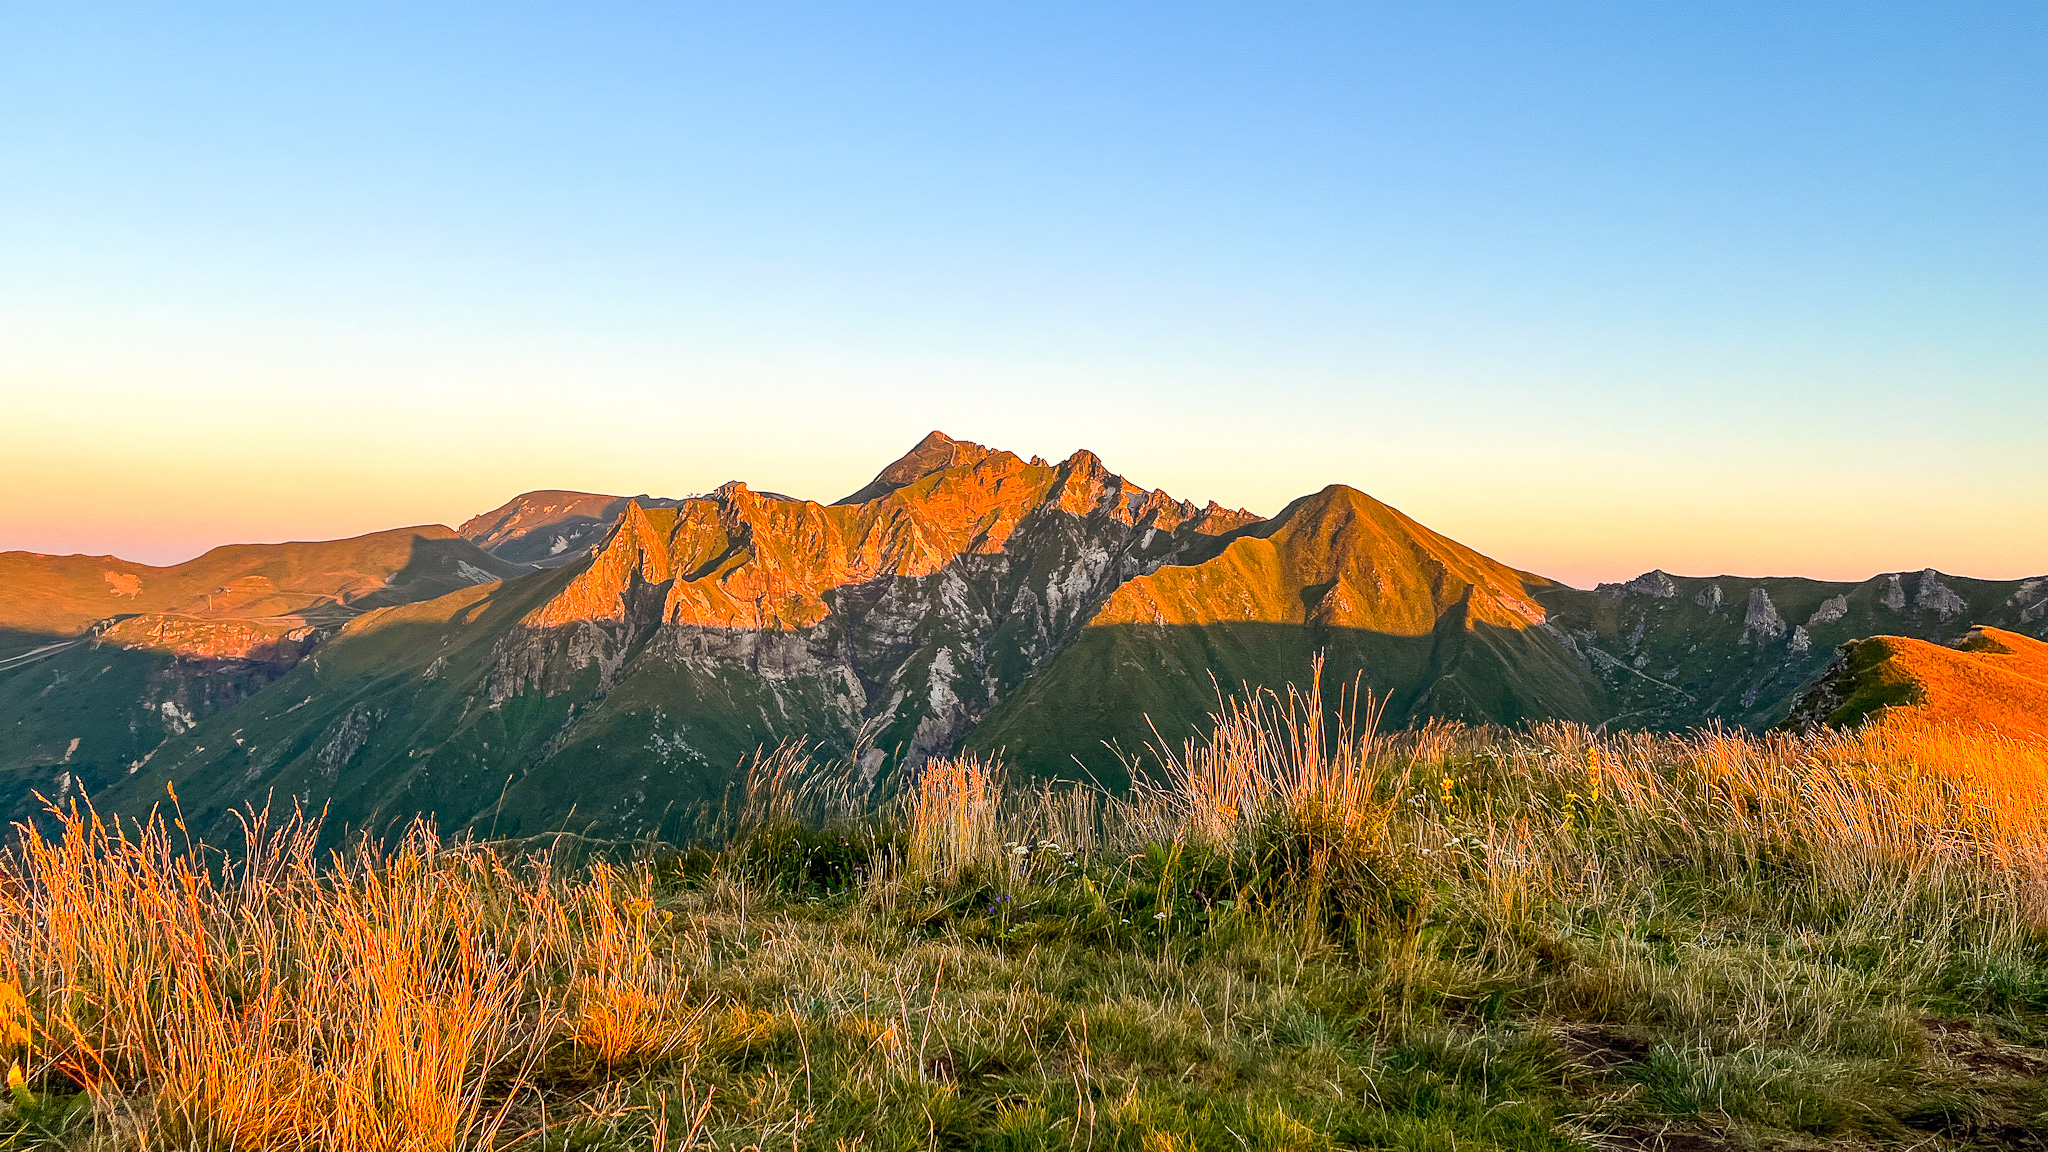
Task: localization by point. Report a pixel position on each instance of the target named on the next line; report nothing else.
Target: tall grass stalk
(1292, 900)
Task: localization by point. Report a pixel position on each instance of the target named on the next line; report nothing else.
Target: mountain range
(605, 663)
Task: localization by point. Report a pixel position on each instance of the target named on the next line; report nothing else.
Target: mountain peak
(935, 453)
(1343, 496)
(1337, 556)
(1084, 461)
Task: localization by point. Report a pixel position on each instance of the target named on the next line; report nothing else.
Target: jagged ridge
(892, 603)
(965, 596)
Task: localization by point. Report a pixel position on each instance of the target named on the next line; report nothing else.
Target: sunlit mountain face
(606, 663)
(1991, 680)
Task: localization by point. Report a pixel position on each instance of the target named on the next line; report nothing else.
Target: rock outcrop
(1762, 620)
(880, 613)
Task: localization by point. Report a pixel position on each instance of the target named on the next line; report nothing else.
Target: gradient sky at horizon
(1741, 287)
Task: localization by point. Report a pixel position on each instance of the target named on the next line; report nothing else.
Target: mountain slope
(102, 660)
(1679, 651)
(550, 527)
(55, 596)
(1992, 680)
(630, 684)
(966, 597)
(1435, 628)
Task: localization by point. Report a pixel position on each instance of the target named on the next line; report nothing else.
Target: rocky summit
(606, 664)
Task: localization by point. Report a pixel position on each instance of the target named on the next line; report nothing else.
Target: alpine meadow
(1111, 577)
(746, 824)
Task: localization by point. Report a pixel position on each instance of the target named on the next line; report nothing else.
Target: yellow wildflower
(14, 1018)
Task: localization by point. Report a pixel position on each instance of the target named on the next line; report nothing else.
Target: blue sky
(1594, 288)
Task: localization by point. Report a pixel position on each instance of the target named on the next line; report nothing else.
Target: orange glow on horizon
(164, 507)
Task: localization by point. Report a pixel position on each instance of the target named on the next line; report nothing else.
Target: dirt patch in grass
(1601, 1049)
(1982, 1053)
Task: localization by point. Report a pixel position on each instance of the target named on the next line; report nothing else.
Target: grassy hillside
(1433, 627)
(1304, 938)
(1992, 680)
(1678, 651)
(103, 661)
(1101, 702)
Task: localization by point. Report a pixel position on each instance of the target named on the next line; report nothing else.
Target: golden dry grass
(1011, 964)
(950, 817)
(1996, 682)
(275, 1003)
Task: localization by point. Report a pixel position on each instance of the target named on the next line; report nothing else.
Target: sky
(1748, 288)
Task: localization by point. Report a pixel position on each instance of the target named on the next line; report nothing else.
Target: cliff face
(278, 640)
(907, 614)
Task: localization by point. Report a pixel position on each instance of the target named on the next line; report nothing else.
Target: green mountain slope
(514, 678)
(626, 687)
(102, 660)
(1429, 625)
(1680, 651)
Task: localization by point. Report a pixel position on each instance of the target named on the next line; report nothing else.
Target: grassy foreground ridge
(1301, 935)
